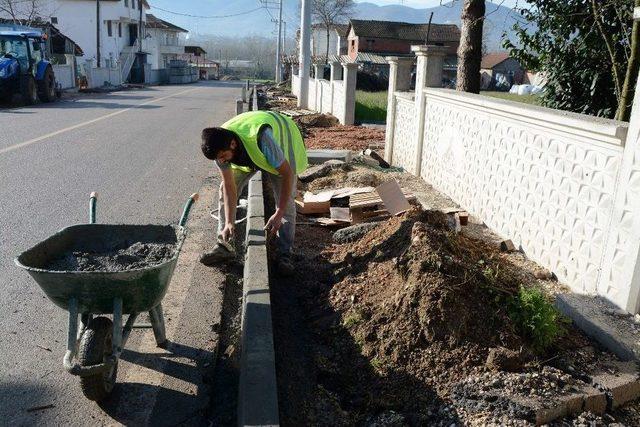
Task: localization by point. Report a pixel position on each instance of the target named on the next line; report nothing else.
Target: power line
(208, 17)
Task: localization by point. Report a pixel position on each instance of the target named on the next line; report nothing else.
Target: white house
(119, 27)
(337, 40)
(163, 42)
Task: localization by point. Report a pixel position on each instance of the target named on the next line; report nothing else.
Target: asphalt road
(140, 150)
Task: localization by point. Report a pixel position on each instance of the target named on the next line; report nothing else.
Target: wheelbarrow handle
(187, 208)
(92, 207)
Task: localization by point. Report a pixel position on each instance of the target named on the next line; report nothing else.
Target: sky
(421, 4)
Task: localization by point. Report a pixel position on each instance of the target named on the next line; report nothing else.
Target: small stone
(543, 274)
(503, 359)
(507, 246)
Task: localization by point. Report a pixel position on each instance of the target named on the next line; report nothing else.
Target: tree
(470, 49)
(587, 51)
(331, 12)
(23, 12)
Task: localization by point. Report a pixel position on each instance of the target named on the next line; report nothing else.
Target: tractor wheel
(29, 90)
(95, 348)
(47, 86)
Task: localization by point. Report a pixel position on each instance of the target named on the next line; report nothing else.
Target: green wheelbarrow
(93, 348)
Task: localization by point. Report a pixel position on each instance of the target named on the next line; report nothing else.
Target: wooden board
(369, 205)
(296, 113)
(372, 199)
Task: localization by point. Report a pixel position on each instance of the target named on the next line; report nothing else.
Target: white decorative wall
(545, 179)
(563, 187)
(332, 97)
(295, 85)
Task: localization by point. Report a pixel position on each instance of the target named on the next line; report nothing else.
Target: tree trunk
(626, 95)
(470, 50)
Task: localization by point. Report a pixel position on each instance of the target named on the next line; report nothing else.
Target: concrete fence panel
(65, 76)
(545, 179)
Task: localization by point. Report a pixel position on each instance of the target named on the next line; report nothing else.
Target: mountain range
(499, 19)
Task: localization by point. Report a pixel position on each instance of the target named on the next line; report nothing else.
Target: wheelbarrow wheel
(95, 348)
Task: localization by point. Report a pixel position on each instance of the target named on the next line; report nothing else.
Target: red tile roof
(405, 31)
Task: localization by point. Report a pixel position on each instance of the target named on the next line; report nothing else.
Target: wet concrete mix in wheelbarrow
(411, 325)
(128, 257)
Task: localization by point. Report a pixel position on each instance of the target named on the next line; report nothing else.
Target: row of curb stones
(258, 393)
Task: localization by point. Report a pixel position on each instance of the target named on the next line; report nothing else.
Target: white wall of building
(319, 42)
(163, 45)
(77, 20)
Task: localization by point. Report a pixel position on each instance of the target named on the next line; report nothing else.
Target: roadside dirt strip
(170, 386)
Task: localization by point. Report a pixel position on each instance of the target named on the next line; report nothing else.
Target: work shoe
(219, 255)
(285, 266)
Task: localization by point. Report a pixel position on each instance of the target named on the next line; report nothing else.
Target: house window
(126, 3)
(133, 4)
(109, 29)
(54, 20)
(353, 44)
(370, 43)
(119, 29)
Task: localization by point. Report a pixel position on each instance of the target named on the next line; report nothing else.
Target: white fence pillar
(350, 79)
(336, 71)
(428, 74)
(619, 280)
(399, 80)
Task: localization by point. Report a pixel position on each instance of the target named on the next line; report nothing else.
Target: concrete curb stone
(258, 392)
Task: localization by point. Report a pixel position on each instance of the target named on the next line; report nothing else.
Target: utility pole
(278, 46)
(140, 6)
(305, 54)
(98, 33)
(284, 38)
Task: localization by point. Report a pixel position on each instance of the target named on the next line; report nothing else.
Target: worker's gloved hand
(275, 222)
(228, 231)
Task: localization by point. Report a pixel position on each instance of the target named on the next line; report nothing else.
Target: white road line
(79, 125)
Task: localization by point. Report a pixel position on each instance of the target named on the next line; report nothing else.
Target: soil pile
(355, 138)
(133, 256)
(428, 299)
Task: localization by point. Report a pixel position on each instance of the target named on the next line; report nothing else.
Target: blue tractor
(24, 69)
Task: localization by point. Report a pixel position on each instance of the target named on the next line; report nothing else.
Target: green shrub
(535, 318)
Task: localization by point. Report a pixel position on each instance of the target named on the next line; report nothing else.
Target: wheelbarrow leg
(157, 322)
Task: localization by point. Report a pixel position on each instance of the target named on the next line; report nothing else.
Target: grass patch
(371, 106)
(525, 99)
(536, 318)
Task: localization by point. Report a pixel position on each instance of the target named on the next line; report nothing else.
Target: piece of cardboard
(392, 197)
(340, 214)
(309, 208)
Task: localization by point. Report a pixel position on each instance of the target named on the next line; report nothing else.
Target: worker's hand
(275, 222)
(228, 231)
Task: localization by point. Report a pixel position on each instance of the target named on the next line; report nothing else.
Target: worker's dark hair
(215, 140)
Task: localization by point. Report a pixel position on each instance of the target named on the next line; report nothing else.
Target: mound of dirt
(355, 138)
(136, 255)
(426, 288)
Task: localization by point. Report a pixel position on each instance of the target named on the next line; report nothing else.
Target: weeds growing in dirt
(536, 318)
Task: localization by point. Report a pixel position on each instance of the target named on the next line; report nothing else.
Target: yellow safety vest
(285, 132)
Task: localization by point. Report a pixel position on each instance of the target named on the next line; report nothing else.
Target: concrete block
(595, 401)
(591, 315)
(255, 187)
(256, 206)
(621, 383)
(561, 407)
(258, 392)
(255, 232)
(320, 156)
